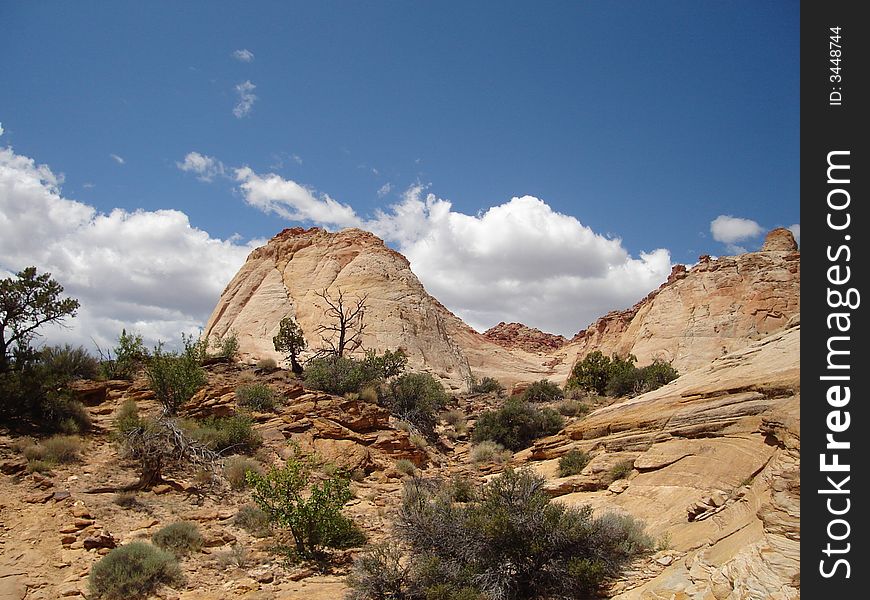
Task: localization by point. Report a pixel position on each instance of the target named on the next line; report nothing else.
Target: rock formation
(716, 474)
(519, 336)
(717, 306)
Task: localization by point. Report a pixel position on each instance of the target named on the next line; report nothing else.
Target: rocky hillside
(717, 306)
(284, 276)
(715, 474)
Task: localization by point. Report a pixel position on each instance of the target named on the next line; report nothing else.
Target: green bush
(387, 365)
(253, 520)
(127, 417)
(59, 449)
(621, 470)
(236, 470)
(180, 538)
(542, 391)
(220, 434)
(39, 466)
(256, 396)
(174, 378)
(617, 376)
(572, 408)
(227, 346)
(32, 394)
(455, 418)
(517, 424)
(267, 364)
(591, 373)
(133, 571)
(406, 467)
(512, 543)
(657, 374)
(487, 385)
(310, 510)
(572, 463)
(129, 355)
(488, 451)
(65, 363)
(339, 375)
(415, 398)
(461, 489)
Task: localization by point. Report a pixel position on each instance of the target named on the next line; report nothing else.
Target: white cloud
(384, 190)
(294, 202)
(729, 230)
(205, 167)
(796, 232)
(88, 185)
(148, 271)
(519, 261)
(245, 90)
(243, 55)
(1, 128)
(117, 159)
(296, 158)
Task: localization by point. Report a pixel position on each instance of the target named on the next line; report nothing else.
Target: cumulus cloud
(117, 159)
(730, 230)
(205, 167)
(148, 271)
(243, 55)
(796, 232)
(518, 261)
(292, 201)
(245, 91)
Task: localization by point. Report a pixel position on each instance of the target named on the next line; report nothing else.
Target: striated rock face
(697, 315)
(517, 335)
(282, 278)
(716, 457)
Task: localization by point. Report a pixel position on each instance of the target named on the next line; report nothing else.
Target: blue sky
(644, 121)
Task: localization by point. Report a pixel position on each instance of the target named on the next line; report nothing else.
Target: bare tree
(343, 334)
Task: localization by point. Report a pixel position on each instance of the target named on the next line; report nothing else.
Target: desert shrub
(572, 462)
(267, 364)
(406, 467)
(236, 556)
(591, 373)
(621, 470)
(132, 571)
(127, 500)
(387, 365)
(253, 520)
(617, 376)
(256, 396)
(482, 549)
(65, 363)
(39, 466)
(418, 440)
(461, 489)
(59, 449)
(125, 359)
(195, 348)
(517, 424)
(369, 394)
(572, 408)
(455, 418)
(542, 391)
(379, 574)
(489, 451)
(59, 412)
(227, 346)
(236, 469)
(338, 375)
(126, 418)
(179, 538)
(174, 378)
(29, 393)
(62, 449)
(657, 374)
(220, 434)
(487, 385)
(416, 398)
(310, 510)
